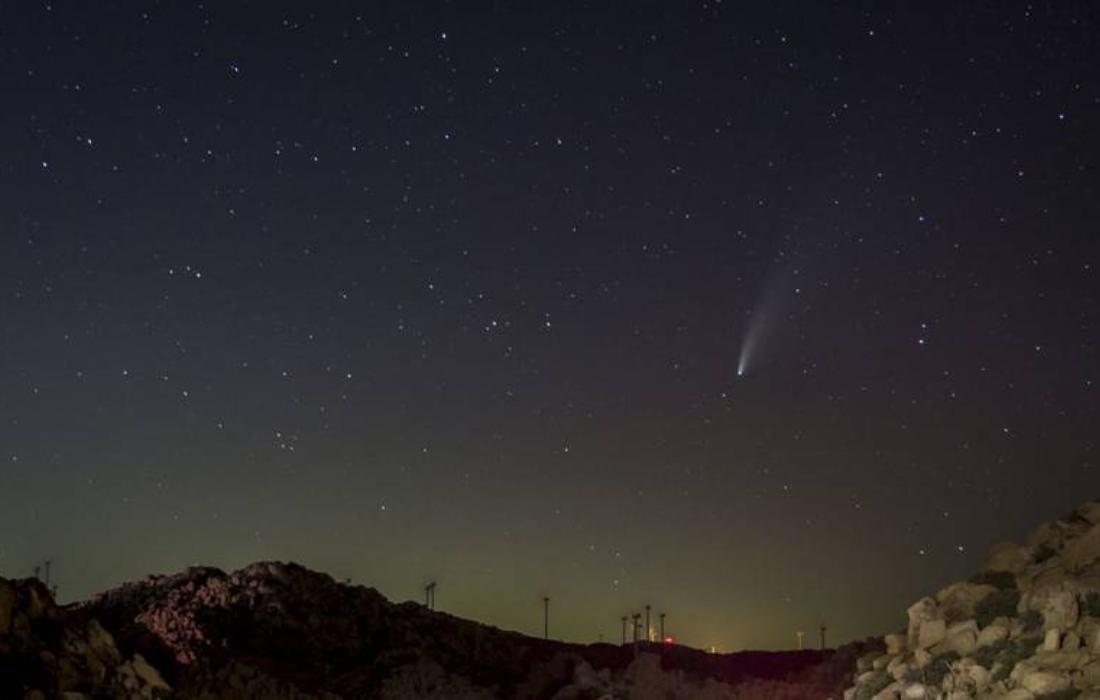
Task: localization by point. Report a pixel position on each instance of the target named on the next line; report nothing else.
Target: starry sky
(765, 314)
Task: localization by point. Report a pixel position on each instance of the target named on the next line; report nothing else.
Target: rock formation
(45, 655)
(1025, 628)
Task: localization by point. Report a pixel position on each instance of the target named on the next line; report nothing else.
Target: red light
(669, 640)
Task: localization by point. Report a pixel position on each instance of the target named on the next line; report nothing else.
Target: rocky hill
(276, 630)
(1025, 628)
(45, 654)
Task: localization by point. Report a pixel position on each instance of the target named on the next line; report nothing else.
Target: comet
(776, 293)
(750, 343)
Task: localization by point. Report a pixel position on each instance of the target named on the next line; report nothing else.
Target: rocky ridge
(1025, 628)
(274, 630)
(280, 630)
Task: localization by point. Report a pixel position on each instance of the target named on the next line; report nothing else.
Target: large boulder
(1045, 682)
(931, 633)
(1082, 551)
(992, 634)
(957, 601)
(1007, 556)
(961, 638)
(922, 612)
(895, 644)
(1057, 602)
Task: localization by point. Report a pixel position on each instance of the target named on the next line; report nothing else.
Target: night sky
(761, 313)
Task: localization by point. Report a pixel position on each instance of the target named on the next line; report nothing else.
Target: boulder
(920, 612)
(1071, 642)
(148, 675)
(961, 637)
(1047, 536)
(957, 601)
(1045, 682)
(1090, 675)
(921, 658)
(1057, 603)
(931, 633)
(1082, 551)
(992, 634)
(1051, 640)
(1007, 556)
(916, 691)
(979, 675)
(895, 644)
(890, 692)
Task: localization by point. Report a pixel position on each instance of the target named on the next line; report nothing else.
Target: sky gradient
(762, 314)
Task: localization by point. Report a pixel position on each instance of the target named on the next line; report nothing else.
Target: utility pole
(624, 630)
(823, 636)
(635, 617)
(663, 637)
(648, 629)
(546, 617)
(429, 596)
(801, 639)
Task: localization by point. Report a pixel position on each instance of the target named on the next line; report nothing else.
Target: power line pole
(823, 628)
(663, 637)
(648, 629)
(429, 596)
(635, 617)
(546, 617)
(624, 630)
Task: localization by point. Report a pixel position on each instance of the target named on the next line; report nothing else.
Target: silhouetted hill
(274, 630)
